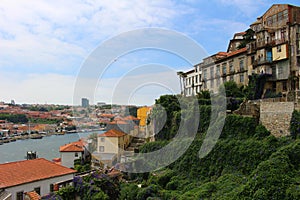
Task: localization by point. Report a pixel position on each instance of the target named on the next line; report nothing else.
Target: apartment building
(217, 69)
(276, 51)
(273, 52)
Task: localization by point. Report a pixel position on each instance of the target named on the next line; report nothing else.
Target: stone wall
(276, 117)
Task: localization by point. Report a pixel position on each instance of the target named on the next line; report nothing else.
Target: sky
(46, 45)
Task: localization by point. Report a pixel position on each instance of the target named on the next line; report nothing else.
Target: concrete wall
(276, 117)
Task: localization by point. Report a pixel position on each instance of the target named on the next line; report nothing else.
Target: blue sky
(43, 44)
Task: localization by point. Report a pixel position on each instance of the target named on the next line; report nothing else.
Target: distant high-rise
(84, 102)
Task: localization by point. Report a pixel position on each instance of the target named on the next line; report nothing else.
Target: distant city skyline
(43, 44)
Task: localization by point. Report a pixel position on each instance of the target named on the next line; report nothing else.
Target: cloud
(57, 36)
(34, 88)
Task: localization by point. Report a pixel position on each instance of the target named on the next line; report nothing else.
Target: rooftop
(26, 171)
(77, 146)
(112, 133)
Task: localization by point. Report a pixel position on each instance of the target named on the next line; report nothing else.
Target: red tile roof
(112, 133)
(118, 122)
(33, 195)
(240, 33)
(77, 146)
(130, 117)
(237, 52)
(21, 172)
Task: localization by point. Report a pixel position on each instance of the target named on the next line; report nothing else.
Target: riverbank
(13, 138)
(46, 147)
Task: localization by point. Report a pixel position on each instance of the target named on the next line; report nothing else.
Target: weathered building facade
(276, 51)
(272, 52)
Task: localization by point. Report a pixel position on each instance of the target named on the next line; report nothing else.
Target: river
(47, 147)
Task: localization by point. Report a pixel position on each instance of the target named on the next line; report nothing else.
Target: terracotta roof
(33, 195)
(112, 133)
(237, 52)
(77, 146)
(118, 122)
(240, 33)
(21, 172)
(130, 117)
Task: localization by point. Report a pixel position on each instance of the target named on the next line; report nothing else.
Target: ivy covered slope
(246, 163)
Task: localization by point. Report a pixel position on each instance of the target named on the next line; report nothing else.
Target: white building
(39, 175)
(73, 151)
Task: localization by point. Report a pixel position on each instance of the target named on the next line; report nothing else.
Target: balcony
(262, 62)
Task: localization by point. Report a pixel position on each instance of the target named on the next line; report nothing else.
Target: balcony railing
(262, 62)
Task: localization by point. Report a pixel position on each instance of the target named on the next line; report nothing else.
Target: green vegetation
(14, 118)
(45, 121)
(247, 162)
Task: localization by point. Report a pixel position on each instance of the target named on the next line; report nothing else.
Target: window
(19, 195)
(231, 67)
(241, 65)
(212, 83)
(102, 139)
(76, 154)
(38, 190)
(51, 187)
(218, 70)
(241, 78)
(269, 21)
(280, 17)
(196, 79)
(212, 72)
(285, 14)
(205, 74)
(231, 78)
(284, 86)
(274, 18)
(218, 82)
(279, 48)
(224, 69)
(252, 59)
(280, 70)
(101, 148)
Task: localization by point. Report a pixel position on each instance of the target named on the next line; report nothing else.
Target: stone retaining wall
(276, 117)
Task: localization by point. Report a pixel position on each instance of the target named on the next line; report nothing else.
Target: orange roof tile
(118, 122)
(130, 117)
(112, 133)
(237, 52)
(77, 146)
(33, 195)
(21, 172)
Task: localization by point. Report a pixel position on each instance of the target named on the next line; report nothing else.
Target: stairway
(135, 143)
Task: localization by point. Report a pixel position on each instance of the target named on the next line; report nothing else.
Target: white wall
(67, 158)
(43, 184)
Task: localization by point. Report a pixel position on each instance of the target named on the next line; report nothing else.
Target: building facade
(110, 147)
(276, 51)
(85, 102)
(272, 52)
(73, 151)
(39, 175)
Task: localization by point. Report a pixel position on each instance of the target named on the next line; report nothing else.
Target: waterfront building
(73, 151)
(39, 175)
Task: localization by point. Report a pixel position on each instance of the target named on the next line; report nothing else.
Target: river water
(47, 147)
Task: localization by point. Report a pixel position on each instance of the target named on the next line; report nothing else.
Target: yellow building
(142, 115)
(110, 146)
